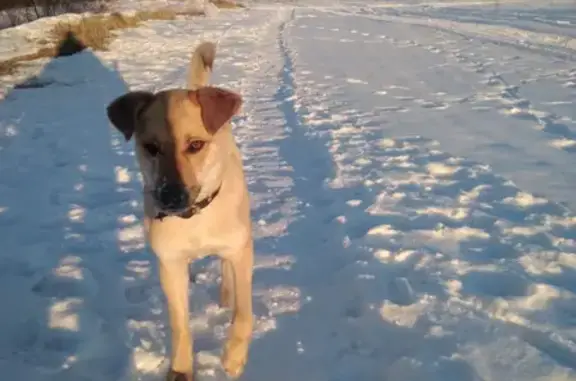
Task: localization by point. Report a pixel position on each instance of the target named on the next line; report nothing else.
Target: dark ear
(123, 111)
(217, 105)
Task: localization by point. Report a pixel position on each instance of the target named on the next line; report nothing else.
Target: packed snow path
(412, 186)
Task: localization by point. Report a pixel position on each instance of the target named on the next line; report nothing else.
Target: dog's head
(180, 141)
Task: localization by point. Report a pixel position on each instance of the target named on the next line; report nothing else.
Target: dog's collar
(195, 208)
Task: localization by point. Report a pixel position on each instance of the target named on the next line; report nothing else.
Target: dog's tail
(201, 65)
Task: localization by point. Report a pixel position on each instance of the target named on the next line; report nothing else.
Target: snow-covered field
(413, 183)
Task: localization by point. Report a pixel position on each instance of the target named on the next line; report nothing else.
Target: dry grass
(224, 4)
(96, 32)
(10, 66)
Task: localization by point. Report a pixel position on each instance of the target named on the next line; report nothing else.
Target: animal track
(495, 284)
(432, 104)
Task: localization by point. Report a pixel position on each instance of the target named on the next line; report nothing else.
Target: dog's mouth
(192, 210)
(181, 214)
(174, 200)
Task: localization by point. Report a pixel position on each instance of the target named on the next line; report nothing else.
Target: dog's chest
(196, 237)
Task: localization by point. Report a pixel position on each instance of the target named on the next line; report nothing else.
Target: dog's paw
(172, 375)
(235, 356)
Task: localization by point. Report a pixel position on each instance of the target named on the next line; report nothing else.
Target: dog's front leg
(226, 284)
(174, 277)
(240, 334)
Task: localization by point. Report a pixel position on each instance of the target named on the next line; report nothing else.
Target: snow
(412, 183)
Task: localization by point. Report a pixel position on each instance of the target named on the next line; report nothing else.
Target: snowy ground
(412, 178)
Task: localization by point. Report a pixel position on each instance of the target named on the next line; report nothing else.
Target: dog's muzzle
(172, 198)
(189, 210)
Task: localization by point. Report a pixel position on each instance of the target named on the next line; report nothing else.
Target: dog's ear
(123, 112)
(217, 106)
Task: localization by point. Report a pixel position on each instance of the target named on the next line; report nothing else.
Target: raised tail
(201, 65)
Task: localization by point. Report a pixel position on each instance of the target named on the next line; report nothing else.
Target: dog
(196, 201)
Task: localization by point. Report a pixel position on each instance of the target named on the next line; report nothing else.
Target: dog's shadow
(68, 195)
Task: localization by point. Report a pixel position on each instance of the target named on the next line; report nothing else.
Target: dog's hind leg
(240, 334)
(174, 277)
(226, 284)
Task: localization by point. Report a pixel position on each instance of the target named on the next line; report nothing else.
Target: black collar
(195, 208)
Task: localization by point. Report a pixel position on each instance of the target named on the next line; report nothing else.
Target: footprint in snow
(400, 292)
(432, 104)
(495, 284)
(323, 202)
(66, 285)
(137, 294)
(433, 49)
(491, 81)
(393, 109)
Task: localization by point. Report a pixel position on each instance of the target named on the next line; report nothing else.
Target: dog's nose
(172, 197)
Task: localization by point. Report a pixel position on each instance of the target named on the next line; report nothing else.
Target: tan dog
(196, 200)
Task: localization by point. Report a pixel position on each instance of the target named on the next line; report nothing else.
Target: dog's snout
(172, 196)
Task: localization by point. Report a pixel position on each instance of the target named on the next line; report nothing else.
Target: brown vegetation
(93, 31)
(227, 4)
(10, 66)
(97, 31)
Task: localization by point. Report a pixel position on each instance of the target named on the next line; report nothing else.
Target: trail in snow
(412, 199)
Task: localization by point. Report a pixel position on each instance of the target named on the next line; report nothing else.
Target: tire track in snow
(337, 332)
(307, 155)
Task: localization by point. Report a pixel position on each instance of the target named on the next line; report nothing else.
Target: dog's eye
(195, 146)
(152, 149)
